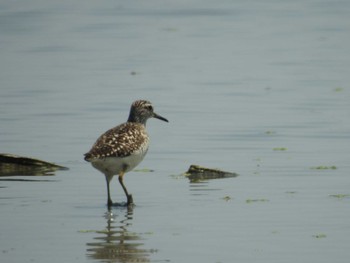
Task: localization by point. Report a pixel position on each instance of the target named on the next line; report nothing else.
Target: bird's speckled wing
(121, 141)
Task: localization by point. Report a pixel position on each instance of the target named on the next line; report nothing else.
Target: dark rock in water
(199, 173)
(18, 165)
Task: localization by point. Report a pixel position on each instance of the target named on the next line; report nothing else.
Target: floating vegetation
(11, 165)
(150, 233)
(198, 173)
(320, 236)
(322, 167)
(248, 201)
(340, 196)
(270, 132)
(177, 176)
(338, 89)
(26, 180)
(144, 170)
(87, 231)
(280, 149)
(226, 198)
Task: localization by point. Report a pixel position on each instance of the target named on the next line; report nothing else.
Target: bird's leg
(109, 200)
(130, 201)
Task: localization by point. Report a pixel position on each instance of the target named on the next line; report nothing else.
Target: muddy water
(261, 90)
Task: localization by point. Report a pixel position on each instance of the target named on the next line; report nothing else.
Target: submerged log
(199, 173)
(18, 165)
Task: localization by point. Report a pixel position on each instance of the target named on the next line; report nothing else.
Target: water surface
(260, 89)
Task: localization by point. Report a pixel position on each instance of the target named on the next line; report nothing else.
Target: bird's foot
(118, 204)
(130, 201)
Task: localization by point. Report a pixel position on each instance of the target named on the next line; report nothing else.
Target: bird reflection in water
(116, 243)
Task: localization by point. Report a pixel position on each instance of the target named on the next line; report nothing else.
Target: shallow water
(257, 89)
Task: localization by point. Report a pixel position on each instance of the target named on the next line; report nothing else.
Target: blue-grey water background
(260, 88)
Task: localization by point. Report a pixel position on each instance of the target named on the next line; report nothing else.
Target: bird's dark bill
(159, 117)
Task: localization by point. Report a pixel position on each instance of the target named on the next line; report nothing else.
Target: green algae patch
(323, 167)
(338, 89)
(87, 231)
(249, 201)
(319, 236)
(280, 149)
(144, 170)
(226, 198)
(340, 196)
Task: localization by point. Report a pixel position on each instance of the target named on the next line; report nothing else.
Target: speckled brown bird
(122, 148)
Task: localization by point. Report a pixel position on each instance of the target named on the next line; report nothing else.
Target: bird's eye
(149, 107)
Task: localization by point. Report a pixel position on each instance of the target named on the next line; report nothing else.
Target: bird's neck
(136, 119)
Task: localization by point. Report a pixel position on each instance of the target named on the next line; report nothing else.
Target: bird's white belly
(115, 165)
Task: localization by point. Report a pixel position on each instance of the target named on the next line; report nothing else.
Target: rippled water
(260, 89)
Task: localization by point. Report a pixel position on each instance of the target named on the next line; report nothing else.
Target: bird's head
(141, 111)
